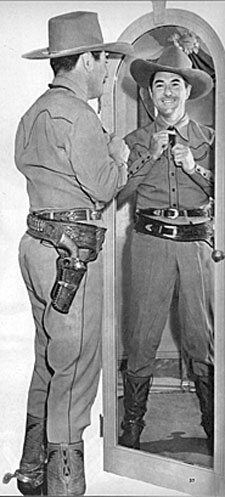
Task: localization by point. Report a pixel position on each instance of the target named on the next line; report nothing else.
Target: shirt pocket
(200, 152)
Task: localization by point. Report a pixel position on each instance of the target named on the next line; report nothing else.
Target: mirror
(173, 451)
(172, 422)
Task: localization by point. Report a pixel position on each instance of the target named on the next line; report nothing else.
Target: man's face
(169, 94)
(98, 76)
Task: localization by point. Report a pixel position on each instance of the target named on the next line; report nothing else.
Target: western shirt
(61, 150)
(160, 183)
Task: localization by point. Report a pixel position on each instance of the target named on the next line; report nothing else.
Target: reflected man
(171, 172)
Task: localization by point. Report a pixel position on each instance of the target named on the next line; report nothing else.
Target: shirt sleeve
(202, 148)
(97, 173)
(140, 163)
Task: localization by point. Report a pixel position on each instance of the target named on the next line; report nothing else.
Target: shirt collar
(67, 82)
(181, 126)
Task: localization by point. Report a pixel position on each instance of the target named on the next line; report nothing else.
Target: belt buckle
(172, 213)
(172, 228)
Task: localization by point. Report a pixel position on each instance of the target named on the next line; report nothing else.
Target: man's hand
(118, 149)
(159, 143)
(183, 158)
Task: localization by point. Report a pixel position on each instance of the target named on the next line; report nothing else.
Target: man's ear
(188, 91)
(150, 92)
(87, 61)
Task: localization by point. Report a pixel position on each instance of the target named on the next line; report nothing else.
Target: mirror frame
(121, 460)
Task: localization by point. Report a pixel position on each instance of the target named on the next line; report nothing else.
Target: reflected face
(169, 93)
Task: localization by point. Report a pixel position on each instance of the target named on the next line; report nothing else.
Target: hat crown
(174, 57)
(74, 29)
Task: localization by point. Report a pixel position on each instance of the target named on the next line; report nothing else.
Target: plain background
(24, 28)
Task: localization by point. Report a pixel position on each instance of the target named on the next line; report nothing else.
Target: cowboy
(171, 177)
(73, 168)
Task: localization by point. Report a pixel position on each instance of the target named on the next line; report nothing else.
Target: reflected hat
(76, 33)
(173, 60)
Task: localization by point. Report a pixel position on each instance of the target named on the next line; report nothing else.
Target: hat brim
(201, 82)
(116, 47)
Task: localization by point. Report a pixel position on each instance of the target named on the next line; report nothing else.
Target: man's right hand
(118, 149)
(159, 142)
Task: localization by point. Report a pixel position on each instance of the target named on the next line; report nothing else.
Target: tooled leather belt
(70, 215)
(181, 233)
(85, 236)
(172, 213)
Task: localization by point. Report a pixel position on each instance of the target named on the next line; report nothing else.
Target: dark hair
(68, 62)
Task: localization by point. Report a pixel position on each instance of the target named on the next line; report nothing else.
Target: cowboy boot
(65, 469)
(30, 475)
(205, 392)
(136, 391)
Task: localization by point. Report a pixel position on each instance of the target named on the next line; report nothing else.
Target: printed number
(191, 480)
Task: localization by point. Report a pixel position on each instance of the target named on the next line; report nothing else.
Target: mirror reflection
(164, 264)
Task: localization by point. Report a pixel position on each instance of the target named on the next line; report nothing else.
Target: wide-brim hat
(76, 33)
(173, 60)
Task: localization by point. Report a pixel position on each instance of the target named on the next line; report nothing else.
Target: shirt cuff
(139, 163)
(123, 174)
(205, 173)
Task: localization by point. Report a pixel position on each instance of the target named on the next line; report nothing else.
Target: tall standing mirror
(174, 450)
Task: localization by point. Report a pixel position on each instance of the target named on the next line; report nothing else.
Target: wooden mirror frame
(116, 104)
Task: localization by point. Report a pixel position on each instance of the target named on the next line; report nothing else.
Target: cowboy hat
(173, 60)
(76, 33)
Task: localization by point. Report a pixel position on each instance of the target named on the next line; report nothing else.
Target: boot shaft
(205, 392)
(136, 390)
(65, 469)
(31, 473)
(34, 441)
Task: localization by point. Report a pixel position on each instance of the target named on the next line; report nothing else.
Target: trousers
(67, 347)
(158, 268)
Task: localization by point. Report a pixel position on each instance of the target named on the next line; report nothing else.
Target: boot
(65, 469)
(30, 475)
(205, 392)
(136, 391)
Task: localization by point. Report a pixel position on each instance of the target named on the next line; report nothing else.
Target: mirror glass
(173, 418)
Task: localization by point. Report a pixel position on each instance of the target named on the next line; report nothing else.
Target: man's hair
(68, 62)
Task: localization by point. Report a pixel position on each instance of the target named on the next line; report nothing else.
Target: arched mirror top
(178, 18)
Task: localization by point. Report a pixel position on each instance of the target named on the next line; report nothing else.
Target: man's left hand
(183, 158)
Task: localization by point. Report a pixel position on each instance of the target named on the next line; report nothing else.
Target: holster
(67, 239)
(69, 275)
